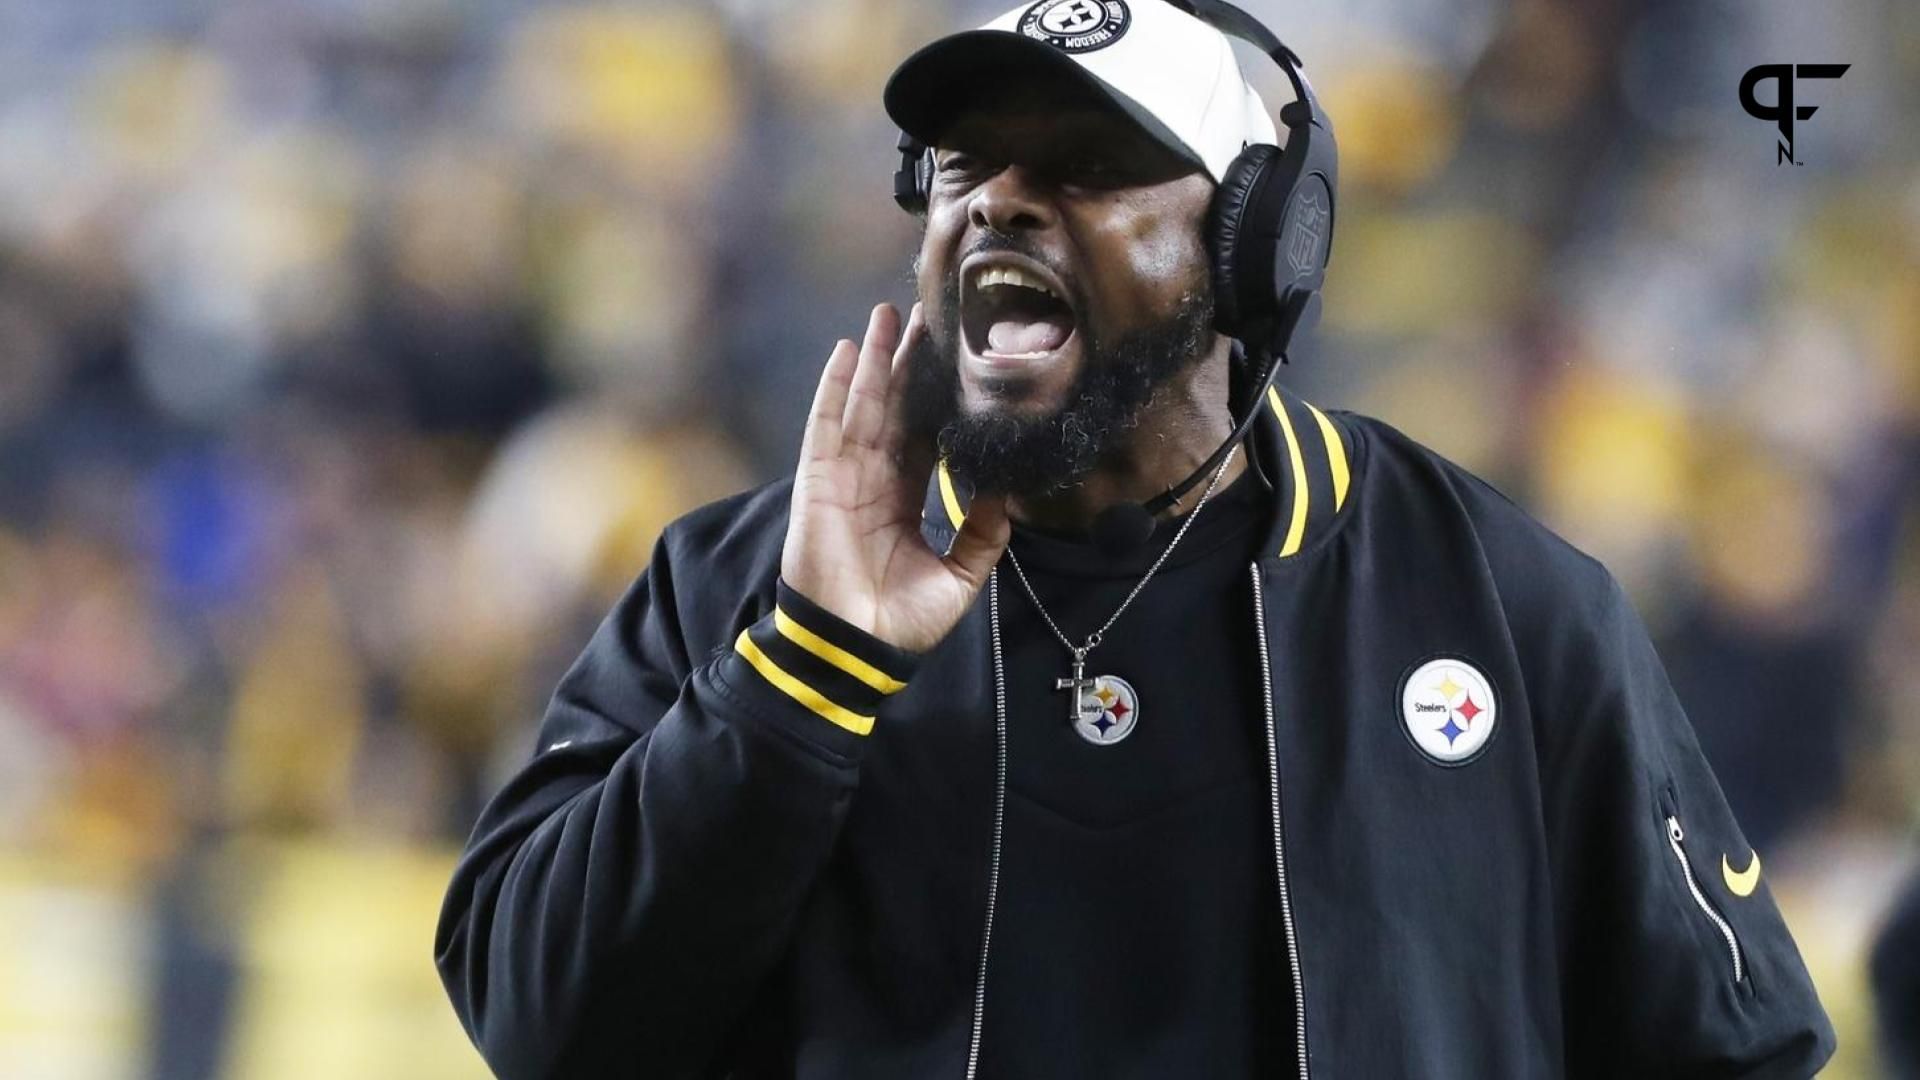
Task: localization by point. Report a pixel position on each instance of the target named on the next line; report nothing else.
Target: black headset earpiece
(913, 176)
(1236, 296)
(1270, 229)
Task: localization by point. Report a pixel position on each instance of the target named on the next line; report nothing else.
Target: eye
(1093, 169)
(956, 163)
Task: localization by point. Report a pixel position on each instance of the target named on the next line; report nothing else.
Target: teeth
(1012, 275)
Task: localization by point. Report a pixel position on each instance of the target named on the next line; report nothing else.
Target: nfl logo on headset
(1308, 232)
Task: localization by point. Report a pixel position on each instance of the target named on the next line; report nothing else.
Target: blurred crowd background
(353, 352)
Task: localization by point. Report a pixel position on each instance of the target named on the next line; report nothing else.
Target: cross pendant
(1078, 685)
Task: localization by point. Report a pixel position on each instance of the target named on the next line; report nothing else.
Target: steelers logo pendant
(1109, 709)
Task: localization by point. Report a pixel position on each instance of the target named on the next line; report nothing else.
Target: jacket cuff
(810, 658)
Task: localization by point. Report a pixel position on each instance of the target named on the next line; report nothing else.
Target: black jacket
(707, 869)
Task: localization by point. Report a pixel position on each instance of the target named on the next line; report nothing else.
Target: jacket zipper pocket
(1674, 835)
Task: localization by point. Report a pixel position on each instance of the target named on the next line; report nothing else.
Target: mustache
(992, 239)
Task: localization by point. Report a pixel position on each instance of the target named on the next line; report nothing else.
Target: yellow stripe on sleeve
(835, 655)
(1336, 456)
(1298, 529)
(955, 515)
(799, 691)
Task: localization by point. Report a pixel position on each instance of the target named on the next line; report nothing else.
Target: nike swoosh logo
(1741, 883)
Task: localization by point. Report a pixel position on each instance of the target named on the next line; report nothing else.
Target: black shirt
(1138, 929)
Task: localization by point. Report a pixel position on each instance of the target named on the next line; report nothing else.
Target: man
(1351, 769)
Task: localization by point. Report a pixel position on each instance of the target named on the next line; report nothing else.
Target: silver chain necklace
(1105, 708)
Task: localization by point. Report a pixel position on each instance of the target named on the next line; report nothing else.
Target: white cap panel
(1170, 64)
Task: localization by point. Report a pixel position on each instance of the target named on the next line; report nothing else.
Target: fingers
(916, 325)
(982, 537)
(895, 427)
(823, 434)
(866, 413)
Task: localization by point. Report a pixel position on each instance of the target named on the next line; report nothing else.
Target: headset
(1269, 235)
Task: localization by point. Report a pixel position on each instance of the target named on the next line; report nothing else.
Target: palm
(853, 542)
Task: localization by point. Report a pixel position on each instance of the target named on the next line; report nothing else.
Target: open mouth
(1012, 313)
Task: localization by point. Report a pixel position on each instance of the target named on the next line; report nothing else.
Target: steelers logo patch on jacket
(1448, 708)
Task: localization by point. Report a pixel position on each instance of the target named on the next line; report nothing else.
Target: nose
(1013, 199)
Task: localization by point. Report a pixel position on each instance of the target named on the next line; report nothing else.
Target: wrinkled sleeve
(1675, 961)
(623, 897)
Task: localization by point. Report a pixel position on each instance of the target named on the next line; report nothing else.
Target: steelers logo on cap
(1076, 26)
(1448, 708)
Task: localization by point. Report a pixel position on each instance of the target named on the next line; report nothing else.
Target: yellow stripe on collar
(1336, 456)
(1297, 528)
(948, 498)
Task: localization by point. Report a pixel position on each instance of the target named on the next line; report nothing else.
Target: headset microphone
(1270, 237)
(1125, 527)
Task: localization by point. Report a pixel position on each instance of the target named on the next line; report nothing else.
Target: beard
(999, 453)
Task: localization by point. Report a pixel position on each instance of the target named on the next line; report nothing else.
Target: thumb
(982, 537)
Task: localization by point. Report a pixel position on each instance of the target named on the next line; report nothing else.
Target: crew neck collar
(1235, 511)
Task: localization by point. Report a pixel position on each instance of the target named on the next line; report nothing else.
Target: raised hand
(853, 542)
